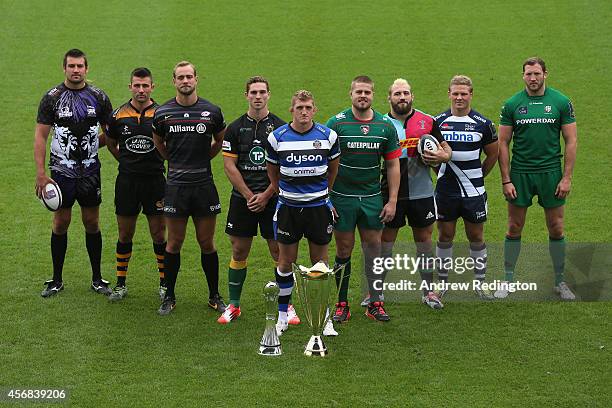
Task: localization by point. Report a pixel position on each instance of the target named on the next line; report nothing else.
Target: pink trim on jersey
(418, 124)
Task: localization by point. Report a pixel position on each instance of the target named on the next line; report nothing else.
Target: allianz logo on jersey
(200, 128)
(300, 158)
(461, 136)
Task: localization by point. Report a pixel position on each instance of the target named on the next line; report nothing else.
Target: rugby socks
(159, 250)
(556, 248)
(512, 249)
(236, 277)
(478, 252)
(285, 284)
(444, 252)
(344, 283)
(93, 242)
(374, 280)
(425, 254)
(59, 243)
(386, 251)
(210, 265)
(172, 264)
(124, 253)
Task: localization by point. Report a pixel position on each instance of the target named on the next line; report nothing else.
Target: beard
(187, 91)
(76, 81)
(401, 109)
(360, 107)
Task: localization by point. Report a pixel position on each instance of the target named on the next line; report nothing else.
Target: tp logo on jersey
(257, 155)
(365, 129)
(317, 144)
(201, 128)
(269, 128)
(522, 110)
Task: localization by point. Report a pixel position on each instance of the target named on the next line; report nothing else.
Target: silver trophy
(270, 343)
(314, 286)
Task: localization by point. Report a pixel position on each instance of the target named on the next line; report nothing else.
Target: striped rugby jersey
(303, 159)
(466, 135)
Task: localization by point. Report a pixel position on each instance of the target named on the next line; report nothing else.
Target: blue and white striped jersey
(466, 135)
(303, 159)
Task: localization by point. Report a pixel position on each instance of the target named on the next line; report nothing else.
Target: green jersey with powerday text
(362, 145)
(536, 125)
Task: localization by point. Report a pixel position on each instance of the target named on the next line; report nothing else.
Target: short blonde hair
(399, 81)
(302, 95)
(461, 80)
(184, 64)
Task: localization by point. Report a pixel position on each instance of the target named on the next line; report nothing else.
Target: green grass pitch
(502, 354)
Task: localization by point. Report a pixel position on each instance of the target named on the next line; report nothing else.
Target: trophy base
(270, 350)
(316, 347)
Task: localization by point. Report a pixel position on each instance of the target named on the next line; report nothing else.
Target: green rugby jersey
(362, 144)
(536, 125)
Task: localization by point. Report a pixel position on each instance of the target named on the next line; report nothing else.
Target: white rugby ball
(427, 142)
(51, 197)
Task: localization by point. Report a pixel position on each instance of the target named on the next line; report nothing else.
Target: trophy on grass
(270, 343)
(314, 286)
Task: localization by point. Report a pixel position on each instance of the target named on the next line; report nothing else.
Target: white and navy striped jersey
(303, 159)
(466, 135)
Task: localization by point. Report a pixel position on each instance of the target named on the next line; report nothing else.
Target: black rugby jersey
(188, 132)
(245, 140)
(75, 115)
(133, 130)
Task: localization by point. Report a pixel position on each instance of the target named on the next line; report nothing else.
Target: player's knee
(515, 228)
(174, 244)
(555, 229)
(445, 236)
(158, 235)
(475, 236)
(207, 246)
(60, 227)
(239, 254)
(126, 236)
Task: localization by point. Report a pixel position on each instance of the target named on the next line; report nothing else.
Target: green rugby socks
(512, 249)
(556, 248)
(236, 277)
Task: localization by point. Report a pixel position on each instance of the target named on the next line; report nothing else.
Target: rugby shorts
(136, 193)
(85, 190)
(420, 213)
(358, 211)
(242, 222)
(191, 200)
(543, 185)
(314, 223)
(471, 209)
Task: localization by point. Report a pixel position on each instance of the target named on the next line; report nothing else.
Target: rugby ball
(51, 197)
(427, 142)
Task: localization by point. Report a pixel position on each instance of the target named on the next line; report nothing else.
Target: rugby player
(365, 137)
(302, 163)
(188, 132)
(533, 119)
(76, 111)
(415, 197)
(460, 190)
(253, 199)
(140, 182)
